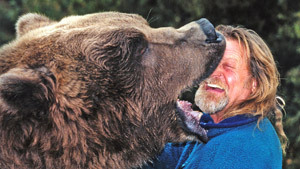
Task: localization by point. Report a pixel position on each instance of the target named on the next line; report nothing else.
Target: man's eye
(229, 66)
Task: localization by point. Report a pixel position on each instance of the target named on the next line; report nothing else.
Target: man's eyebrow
(231, 60)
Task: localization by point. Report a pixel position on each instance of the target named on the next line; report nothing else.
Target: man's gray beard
(207, 105)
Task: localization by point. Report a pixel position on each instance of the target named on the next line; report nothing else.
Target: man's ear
(30, 22)
(253, 85)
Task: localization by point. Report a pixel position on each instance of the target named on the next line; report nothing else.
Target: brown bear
(98, 90)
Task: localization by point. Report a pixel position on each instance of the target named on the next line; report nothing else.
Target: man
(238, 99)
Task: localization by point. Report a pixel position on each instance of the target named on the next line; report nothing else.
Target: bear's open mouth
(191, 119)
(186, 107)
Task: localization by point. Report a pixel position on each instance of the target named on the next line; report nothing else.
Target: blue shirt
(236, 142)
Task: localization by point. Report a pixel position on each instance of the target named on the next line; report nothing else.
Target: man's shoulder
(255, 135)
(244, 146)
(255, 129)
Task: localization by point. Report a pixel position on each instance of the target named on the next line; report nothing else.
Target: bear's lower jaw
(191, 120)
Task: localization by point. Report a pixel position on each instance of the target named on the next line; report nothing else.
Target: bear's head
(99, 90)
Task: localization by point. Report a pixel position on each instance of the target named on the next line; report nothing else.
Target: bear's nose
(209, 31)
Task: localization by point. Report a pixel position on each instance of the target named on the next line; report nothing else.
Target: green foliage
(292, 123)
(291, 88)
(7, 19)
(277, 21)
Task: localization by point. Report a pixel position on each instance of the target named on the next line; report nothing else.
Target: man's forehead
(233, 49)
(235, 52)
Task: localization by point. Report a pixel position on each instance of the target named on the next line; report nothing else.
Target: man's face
(229, 85)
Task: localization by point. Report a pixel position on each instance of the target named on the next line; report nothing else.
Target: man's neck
(218, 117)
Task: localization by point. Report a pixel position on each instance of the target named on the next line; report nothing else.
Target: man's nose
(217, 73)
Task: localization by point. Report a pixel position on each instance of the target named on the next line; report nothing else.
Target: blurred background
(277, 21)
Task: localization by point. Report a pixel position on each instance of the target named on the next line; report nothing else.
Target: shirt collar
(207, 122)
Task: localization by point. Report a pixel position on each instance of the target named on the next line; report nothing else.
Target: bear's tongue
(191, 119)
(186, 107)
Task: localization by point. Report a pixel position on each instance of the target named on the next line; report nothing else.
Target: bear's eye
(142, 49)
(140, 46)
(181, 42)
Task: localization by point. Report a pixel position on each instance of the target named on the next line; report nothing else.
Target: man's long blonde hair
(263, 101)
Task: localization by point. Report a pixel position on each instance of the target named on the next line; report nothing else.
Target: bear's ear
(30, 22)
(27, 92)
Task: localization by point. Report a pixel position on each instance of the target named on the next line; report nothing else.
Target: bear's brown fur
(97, 91)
